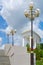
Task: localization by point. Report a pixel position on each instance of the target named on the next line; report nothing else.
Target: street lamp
(12, 32)
(8, 37)
(31, 13)
(1, 7)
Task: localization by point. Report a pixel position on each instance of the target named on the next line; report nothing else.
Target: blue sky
(41, 25)
(12, 14)
(3, 25)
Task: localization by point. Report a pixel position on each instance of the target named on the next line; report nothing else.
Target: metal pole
(32, 54)
(12, 40)
(8, 38)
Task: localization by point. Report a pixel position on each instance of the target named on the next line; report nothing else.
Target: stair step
(4, 64)
(4, 60)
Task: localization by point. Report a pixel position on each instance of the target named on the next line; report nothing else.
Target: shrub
(41, 46)
(41, 53)
(37, 51)
(37, 54)
(28, 47)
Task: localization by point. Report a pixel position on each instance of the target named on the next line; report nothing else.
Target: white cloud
(8, 29)
(3, 30)
(17, 39)
(11, 10)
(13, 4)
(0, 39)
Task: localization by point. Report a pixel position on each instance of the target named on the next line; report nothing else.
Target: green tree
(37, 51)
(41, 46)
(28, 47)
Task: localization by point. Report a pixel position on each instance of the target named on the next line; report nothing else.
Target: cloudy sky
(12, 14)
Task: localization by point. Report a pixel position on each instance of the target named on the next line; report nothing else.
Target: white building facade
(27, 38)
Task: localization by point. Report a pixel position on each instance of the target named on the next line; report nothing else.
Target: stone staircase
(4, 60)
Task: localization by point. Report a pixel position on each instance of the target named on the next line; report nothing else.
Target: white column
(23, 42)
(34, 43)
(30, 41)
(34, 58)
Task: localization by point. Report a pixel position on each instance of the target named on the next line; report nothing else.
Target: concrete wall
(17, 55)
(4, 60)
(2, 53)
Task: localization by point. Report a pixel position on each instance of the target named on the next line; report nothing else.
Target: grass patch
(39, 62)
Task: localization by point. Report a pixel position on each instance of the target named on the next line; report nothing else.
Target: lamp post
(1, 7)
(8, 37)
(12, 32)
(31, 13)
